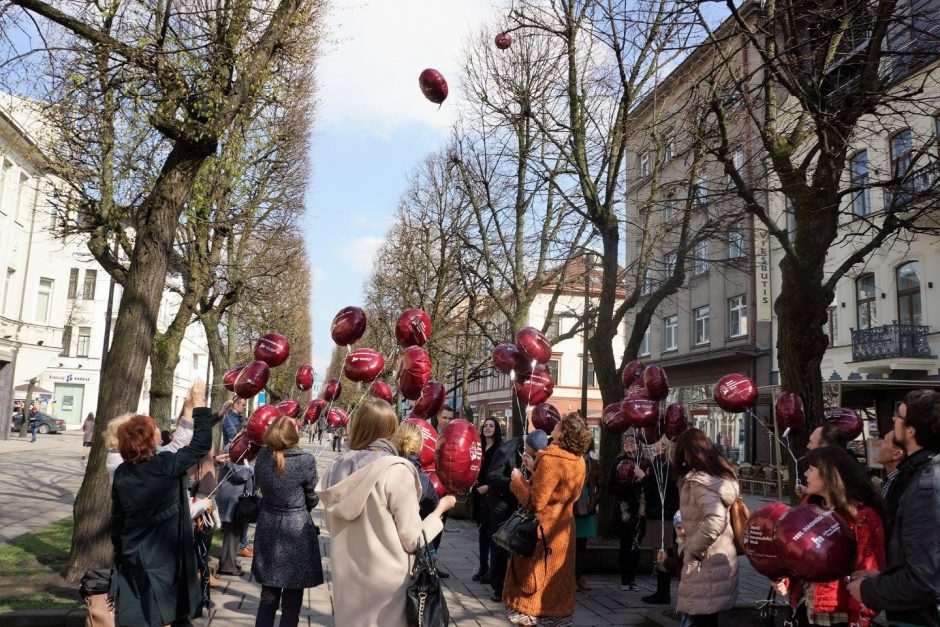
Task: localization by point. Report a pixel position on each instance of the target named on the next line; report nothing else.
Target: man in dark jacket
(233, 419)
(627, 521)
(502, 504)
(910, 587)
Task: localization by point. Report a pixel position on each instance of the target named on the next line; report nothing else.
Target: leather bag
(425, 605)
(249, 506)
(519, 534)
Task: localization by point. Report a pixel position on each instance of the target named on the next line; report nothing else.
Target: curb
(44, 618)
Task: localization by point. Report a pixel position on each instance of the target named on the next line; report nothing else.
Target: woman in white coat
(370, 496)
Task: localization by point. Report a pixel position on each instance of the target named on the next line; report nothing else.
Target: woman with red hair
(153, 584)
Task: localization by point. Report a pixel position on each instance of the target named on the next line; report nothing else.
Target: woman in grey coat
(234, 480)
(287, 549)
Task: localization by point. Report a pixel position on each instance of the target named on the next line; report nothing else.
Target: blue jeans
(34, 430)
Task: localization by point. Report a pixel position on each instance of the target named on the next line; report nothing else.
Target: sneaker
(246, 552)
(630, 587)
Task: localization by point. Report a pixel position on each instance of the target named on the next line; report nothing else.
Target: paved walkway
(39, 482)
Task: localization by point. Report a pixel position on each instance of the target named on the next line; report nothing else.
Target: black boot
(662, 594)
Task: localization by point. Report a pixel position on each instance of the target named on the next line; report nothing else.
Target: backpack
(738, 514)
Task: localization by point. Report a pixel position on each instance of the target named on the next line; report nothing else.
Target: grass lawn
(31, 570)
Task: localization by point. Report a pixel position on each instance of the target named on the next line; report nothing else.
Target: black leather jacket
(502, 502)
(911, 582)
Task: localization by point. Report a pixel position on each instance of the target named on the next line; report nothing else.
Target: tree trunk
(24, 426)
(165, 356)
(134, 330)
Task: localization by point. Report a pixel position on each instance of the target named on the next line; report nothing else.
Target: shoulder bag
(424, 603)
(519, 534)
(249, 506)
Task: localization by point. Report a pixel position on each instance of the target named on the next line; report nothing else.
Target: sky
(372, 128)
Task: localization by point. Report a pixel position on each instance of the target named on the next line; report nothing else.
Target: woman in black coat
(491, 436)
(287, 548)
(627, 519)
(154, 581)
(661, 496)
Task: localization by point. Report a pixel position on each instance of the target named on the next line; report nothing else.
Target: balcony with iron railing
(895, 343)
(919, 186)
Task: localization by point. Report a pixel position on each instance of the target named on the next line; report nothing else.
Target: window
(22, 195)
(554, 327)
(670, 333)
(73, 283)
(669, 151)
(737, 160)
(701, 257)
(196, 363)
(645, 344)
(700, 191)
(645, 164)
(867, 316)
(647, 287)
(790, 210)
(552, 366)
(909, 306)
(7, 286)
(736, 245)
(44, 300)
(830, 328)
(670, 264)
(91, 277)
(670, 211)
(4, 179)
(84, 339)
(737, 316)
(591, 377)
(700, 325)
(858, 169)
(66, 341)
(901, 148)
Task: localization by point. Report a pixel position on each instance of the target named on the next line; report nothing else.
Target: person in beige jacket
(370, 496)
(707, 488)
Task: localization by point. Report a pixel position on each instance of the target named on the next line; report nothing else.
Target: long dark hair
(694, 451)
(497, 433)
(845, 480)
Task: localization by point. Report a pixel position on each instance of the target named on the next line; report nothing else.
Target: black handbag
(425, 605)
(519, 534)
(249, 506)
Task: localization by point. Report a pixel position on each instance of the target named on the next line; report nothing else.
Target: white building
(53, 311)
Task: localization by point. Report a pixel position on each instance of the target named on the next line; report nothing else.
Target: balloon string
(661, 488)
(785, 443)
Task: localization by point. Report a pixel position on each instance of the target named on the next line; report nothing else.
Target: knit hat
(536, 440)
(676, 519)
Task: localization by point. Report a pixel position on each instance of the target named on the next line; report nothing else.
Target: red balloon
(503, 40)
(626, 471)
(675, 421)
(759, 543)
(272, 348)
(413, 328)
(337, 417)
(381, 390)
(315, 409)
(289, 407)
(545, 416)
(348, 326)
(735, 393)
(815, 544)
(632, 373)
(304, 377)
(363, 364)
(429, 435)
(436, 482)
(534, 388)
(640, 412)
(652, 433)
(242, 449)
(259, 422)
(252, 379)
(789, 411)
(613, 419)
(655, 382)
(458, 456)
(847, 420)
(507, 358)
(414, 371)
(228, 379)
(533, 344)
(332, 389)
(433, 86)
(431, 400)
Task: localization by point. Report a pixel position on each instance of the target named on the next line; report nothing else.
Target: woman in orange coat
(541, 589)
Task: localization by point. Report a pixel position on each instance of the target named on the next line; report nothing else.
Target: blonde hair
(281, 436)
(408, 439)
(110, 435)
(373, 419)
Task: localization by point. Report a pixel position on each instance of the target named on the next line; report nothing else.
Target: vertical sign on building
(762, 272)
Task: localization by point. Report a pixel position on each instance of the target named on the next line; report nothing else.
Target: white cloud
(368, 76)
(360, 253)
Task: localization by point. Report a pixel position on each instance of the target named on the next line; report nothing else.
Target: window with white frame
(670, 264)
(700, 191)
(790, 210)
(737, 316)
(645, 164)
(23, 196)
(737, 160)
(669, 150)
(645, 344)
(700, 320)
(831, 328)
(858, 172)
(737, 248)
(84, 342)
(73, 283)
(670, 333)
(552, 365)
(91, 278)
(44, 300)
(670, 210)
(647, 287)
(7, 286)
(5, 171)
(554, 327)
(701, 257)
(901, 147)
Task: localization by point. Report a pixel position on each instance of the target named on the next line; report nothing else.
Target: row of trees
(181, 148)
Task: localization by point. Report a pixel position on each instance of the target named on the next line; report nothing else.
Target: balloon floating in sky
(789, 411)
(413, 328)
(252, 379)
(503, 40)
(433, 86)
(304, 377)
(363, 364)
(348, 326)
(735, 393)
(533, 344)
(272, 348)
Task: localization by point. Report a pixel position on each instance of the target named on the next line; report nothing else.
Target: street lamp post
(588, 262)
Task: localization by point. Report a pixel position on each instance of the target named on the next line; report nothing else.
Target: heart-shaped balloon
(507, 358)
(632, 373)
(545, 416)
(655, 382)
(414, 371)
(337, 417)
(789, 411)
(381, 390)
(459, 456)
(533, 344)
(534, 388)
(503, 40)
(815, 544)
(640, 412)
(252, 379)
(759, 545)
(332, 389)
(613, 419)
(847, 420)
(436, 482)
(304, 377)
(242, 449)
(433, 85)
(735, 393)
(429, 437)
(363, 364)
(348, 326)
(259, 422)
(413, 328)
(272, 348)
(315, 409)
(430, 401)
(626, 471)
(675, 421)
(289, 407)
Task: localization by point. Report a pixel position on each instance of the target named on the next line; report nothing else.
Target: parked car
(47, 424)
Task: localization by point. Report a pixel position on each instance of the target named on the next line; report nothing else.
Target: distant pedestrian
(34, 420)
(88, 432)
(320, 431)
(233, 420)
(491, 437)
(585, 515)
